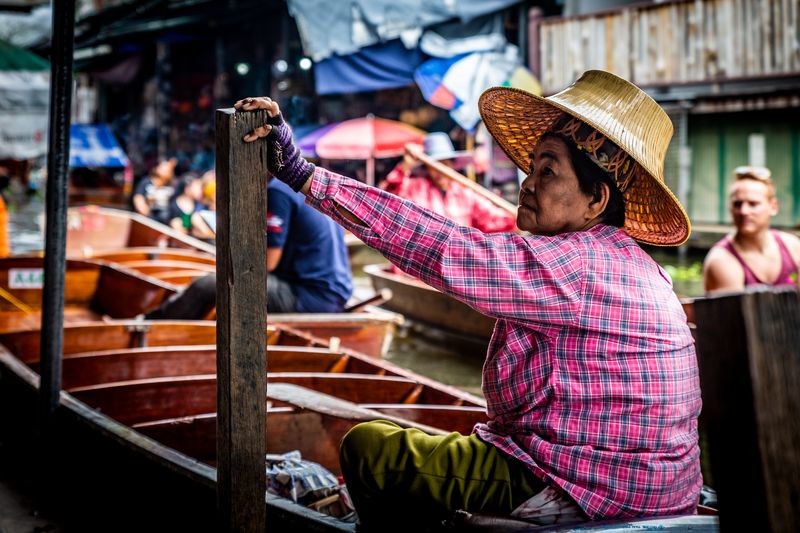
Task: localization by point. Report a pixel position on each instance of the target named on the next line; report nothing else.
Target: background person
(187, 200)
(152, 194)
(591, 378)
(753, 254)
(437, 192)
(307, 264)
(307, 261)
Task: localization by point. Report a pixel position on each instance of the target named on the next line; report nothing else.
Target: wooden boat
(92, 290)
(424, 304)
(141, 244)
(157, 404)
(160, 419)
(97, 291)
(116, 379)
(92, 229)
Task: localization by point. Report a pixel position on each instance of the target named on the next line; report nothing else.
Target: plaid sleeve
(534, 280)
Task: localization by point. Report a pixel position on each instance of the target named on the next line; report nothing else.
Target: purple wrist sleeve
(284, 159)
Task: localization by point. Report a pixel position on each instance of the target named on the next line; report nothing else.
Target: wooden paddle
(383, 296)
(418, 153)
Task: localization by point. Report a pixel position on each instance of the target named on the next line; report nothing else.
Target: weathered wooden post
(749, 356)
(55, 244)
(241, 322)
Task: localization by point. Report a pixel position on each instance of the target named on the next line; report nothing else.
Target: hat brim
(517, 120)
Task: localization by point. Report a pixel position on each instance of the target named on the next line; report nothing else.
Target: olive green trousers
(403, 478)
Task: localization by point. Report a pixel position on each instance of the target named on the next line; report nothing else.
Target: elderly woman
(590, 379)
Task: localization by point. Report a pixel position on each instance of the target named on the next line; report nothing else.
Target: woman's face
(194, 190)
(550, 199)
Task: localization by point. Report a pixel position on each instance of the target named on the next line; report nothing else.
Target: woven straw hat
(626, 116)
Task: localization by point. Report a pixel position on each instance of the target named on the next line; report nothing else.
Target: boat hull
(422, 303)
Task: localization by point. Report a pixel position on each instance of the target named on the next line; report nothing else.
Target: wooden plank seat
(285, 363)
(107, 366)
(134, 402)
(156, 266)
(149, 253)
(461, 418)
(137, 401)
(96, 336)
(316, 435)
(298, 419)
(180, 278)
(96, 367)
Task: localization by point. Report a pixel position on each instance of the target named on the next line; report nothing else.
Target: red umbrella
(367, 138)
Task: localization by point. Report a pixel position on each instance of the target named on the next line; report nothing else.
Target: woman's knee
(363, 442)
(362, 438)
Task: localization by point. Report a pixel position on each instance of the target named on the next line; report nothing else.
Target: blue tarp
(327, 28)
(93, 145)
(382, 66)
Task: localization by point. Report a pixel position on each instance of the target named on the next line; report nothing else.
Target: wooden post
(749, 371)
(241, 321)
(52, 330)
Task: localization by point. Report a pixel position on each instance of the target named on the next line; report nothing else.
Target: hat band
(605, 154)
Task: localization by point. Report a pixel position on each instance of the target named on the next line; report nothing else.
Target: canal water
(459, 365)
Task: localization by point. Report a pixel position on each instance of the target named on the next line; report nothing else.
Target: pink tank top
(788, 266)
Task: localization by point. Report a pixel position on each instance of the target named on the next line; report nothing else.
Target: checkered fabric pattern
(591, 376)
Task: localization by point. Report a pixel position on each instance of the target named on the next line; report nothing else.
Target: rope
(13, 300)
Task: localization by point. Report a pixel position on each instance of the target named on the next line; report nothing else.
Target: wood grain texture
(773, 323)
(241, 319)
(673, 42)
(749, 369)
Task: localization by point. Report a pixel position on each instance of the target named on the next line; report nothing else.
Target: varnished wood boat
(158, 403)
(92, 290)
(97, 291)
(182, 381)
(139, 243)
(166, 425)
(422, 303)
(92, 230)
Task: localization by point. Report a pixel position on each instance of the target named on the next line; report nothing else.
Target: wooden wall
(719, 143)
(676, 42)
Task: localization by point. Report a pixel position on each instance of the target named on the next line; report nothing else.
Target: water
(461, 368)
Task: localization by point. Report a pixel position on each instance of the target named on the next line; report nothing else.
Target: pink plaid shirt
(591, 377)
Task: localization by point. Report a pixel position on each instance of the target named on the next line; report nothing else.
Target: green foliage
(692, 272)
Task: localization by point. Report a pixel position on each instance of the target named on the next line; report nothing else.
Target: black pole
(52, 335)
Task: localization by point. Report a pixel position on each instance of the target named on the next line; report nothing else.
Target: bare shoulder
(792, 242)
(722, 271)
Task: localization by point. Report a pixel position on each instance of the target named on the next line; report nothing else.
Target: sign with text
(25, 278)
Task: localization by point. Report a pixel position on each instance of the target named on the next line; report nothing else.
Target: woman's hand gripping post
(284, 160)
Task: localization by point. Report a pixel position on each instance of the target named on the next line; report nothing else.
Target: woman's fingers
(261, 102)
(258, 133)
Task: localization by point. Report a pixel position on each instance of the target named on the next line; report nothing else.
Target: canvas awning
(93, 145)
(24, 101)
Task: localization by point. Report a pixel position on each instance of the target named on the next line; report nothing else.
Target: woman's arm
(501, 275)
(504, 275)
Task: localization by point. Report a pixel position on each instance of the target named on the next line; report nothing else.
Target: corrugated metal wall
(721, 142)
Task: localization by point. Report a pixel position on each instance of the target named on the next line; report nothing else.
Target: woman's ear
(599, 202)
